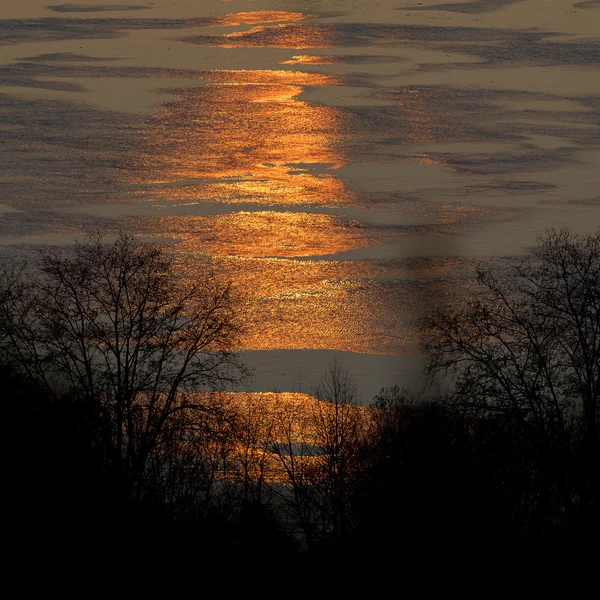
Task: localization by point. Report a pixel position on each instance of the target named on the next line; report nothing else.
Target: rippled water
(344, 163)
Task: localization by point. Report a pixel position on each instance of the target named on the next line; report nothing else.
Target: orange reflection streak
(248, 138)
(359, 306)
(285, 35)
(307, 59)
(241, 76)
(260, 16)
(267, 234)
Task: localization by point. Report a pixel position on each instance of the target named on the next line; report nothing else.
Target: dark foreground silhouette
(427, 476)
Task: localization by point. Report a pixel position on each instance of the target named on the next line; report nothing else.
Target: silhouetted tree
(294, 447)
(319, 448)
(340, 425)
(527, 345)
(113, 327)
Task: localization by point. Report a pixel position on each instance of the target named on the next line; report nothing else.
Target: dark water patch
(390, 126)
(39, 67)
(477, 7)
(592, 102)
(531, 50)
(434, 114)
(60, 152)
(362, 59)
(322, 35)
(586, 201)
(56, 29)
(509, 162)
(65, 57)
(523, 186)
(60, 28)
(28, 82)
(571, 130)
(437, 113)
(43, 221)
(32, 69)
(27, 73)
(488, 104)
(61, 189)
(508, 188)
(85, 8)
(383, 201)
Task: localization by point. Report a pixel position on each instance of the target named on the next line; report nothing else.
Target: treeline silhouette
(420, 472)
(124, 440)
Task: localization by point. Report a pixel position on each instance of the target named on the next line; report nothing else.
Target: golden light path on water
(247, 137)
(368, 306)
(267, 234)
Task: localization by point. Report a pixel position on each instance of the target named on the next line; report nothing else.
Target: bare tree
(340, 424)
(319, 447)
(254, 436)
(188, 475)
(299, 491)
(113, 326)
(528, 343)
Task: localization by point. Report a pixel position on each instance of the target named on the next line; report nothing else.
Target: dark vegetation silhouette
(115, 374)
(525, 352)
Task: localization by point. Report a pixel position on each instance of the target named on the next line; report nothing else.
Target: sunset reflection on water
(281, 146)
(245, 137)
(370, 307)
(268, 234)
(249, 137)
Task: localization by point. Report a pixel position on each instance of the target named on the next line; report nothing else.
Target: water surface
(345, 164)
